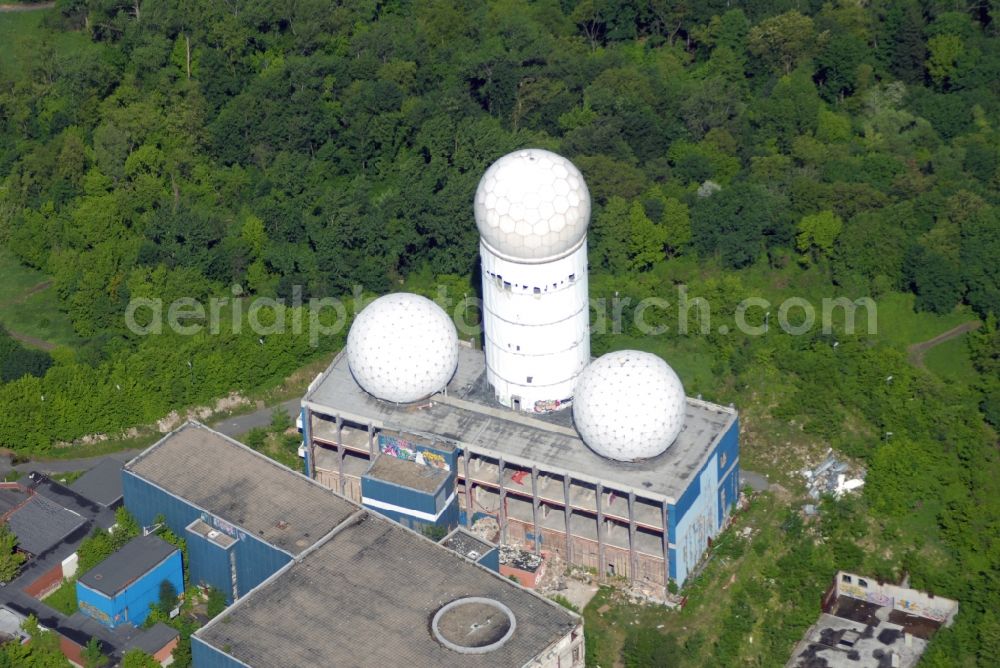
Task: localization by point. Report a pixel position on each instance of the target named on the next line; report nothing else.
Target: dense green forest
(168, 149)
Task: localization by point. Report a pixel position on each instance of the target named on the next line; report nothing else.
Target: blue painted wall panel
(448, 519)
(729, 492)
(491, 560)
(380, 490)
(132, 603)
(718, 489)
(255, 560)
(405, 497)
(205, 656)
(208, 563)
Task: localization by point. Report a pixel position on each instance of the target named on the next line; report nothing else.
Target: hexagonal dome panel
(523, 189)
(402, 348)
(628, 405)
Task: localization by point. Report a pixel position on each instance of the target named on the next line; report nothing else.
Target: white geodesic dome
(628, 405)
(402, 348)
(532, 204)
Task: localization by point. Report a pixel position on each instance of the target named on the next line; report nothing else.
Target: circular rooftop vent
(473, 625)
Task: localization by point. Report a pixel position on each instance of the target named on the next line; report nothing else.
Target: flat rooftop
(136, 558)
(468, 415)
(836, 642)
(416, 476)
(253, 492)
(366, 597)
(102, 483)
(466, 544)
(40, 524)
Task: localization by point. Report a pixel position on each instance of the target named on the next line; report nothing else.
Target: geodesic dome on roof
(402, 348)
(628, 405)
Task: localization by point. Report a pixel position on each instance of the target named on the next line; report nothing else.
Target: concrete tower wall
(537, 328)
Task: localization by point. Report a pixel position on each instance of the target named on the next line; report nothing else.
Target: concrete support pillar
(371, 441)
(502, 513)
(307, 441)
(666, 549)
(469, 503)
(534, 508)
(568, 511)
(602, 566)
(340, 454)
(633, 560)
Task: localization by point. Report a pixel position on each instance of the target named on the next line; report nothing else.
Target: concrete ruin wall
(904, 599)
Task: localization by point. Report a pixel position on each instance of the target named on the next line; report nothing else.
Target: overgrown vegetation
(10, 558)
(63, 598)
(278, 441)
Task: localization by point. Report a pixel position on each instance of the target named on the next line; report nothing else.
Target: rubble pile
(520, 559)
(831, 477)
(486, 528)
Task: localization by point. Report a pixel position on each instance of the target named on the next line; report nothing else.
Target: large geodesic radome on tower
(629, 405)
(402, 348)
(532, 205)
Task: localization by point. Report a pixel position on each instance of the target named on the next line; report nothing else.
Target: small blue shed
(121, 588)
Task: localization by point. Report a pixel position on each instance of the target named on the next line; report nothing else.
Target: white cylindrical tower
(532, 210)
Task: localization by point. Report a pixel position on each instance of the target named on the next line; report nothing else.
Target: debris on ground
(832, 477)
(511, 555)
(486, 528)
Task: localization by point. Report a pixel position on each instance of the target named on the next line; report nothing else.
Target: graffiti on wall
(433, 459)
(915, 608)
(405, 450)
(699, 524)
(223, 526)
(548, 405)
(95, 612)
(909, 603)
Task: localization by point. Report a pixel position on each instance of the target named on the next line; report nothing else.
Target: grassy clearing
(63, 599)
(23, 34)
(900, 325)
(16, 277)
(950, 360)
(38, 313)
(17, 28)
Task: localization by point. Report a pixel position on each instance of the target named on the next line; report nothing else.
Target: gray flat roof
(102, 483)
(408, 474)
(468, 415)
(243, 487)
(153, 639)
(40, 524)
(136, 558)
(366, 596)
(464, 542)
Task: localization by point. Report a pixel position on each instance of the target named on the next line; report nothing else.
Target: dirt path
(26, 339)
(916, 352)
(8, 8)
(33, 290)
(32, 341)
